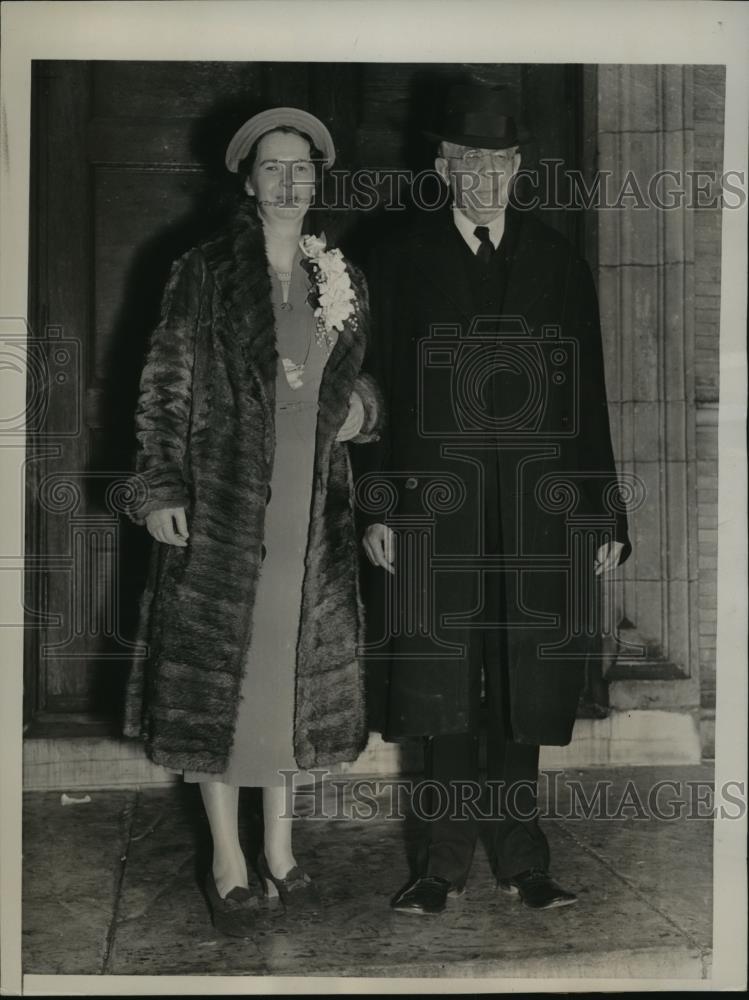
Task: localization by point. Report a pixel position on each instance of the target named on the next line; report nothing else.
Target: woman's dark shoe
(295, 890)
(234, 914)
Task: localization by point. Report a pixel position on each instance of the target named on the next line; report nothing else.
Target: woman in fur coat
(252, 614)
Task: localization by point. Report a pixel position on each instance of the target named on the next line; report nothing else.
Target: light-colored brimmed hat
(273, 118)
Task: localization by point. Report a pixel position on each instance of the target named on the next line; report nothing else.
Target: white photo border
(618, 31)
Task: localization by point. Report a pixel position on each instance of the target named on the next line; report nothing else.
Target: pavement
(113, 886)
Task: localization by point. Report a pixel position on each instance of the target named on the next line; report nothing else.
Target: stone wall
(709, 92)
(659, 285)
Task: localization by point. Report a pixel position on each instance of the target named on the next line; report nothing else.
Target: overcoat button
(411, 483)
(263, 553)
(268, 494)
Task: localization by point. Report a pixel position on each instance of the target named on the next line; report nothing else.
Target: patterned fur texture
(205, 429)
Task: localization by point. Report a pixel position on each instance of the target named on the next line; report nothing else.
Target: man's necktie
(486, 250)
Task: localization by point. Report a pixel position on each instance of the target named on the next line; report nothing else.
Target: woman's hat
(478, 116)
(274, 118)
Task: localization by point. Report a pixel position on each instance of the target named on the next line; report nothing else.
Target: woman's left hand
(353, 422)
(607, 557)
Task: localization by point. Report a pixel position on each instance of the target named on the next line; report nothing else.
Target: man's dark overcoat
(205, 429)
(522, 405)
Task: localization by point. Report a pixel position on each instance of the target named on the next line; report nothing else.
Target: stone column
(640, 124)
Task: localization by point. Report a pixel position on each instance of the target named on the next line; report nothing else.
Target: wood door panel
(174, 90)
(135, 142)
(133, 209)
(60, 312)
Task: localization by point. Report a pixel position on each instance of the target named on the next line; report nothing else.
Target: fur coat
(205, 430)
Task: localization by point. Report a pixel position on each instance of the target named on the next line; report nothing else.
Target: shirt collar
(465, 227)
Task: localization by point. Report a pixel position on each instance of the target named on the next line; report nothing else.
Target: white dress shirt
(465, 227)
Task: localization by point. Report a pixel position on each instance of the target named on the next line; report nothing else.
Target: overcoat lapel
(441, 263)
(337, 383)
(523, 283)
(239, 265)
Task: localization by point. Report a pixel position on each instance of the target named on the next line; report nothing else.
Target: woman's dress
(263, 740)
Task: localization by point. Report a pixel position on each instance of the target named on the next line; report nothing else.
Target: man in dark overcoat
(493, 503)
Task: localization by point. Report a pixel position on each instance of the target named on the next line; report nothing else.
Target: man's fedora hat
(478, 116)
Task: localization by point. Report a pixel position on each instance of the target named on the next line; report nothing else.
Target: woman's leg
(222, 807)
(277, 819)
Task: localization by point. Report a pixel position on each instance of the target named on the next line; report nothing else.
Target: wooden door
(127, 173)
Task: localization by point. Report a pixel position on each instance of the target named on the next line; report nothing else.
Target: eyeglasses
(294, 170)
(473, 158)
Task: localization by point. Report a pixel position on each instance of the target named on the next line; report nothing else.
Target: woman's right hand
(162, 523)
(379, 544)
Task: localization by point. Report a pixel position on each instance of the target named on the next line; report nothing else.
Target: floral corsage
(332, 295)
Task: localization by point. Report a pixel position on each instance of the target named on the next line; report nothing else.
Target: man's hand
(379, 544)
(607, 557)
(161, 524)
(353, 422)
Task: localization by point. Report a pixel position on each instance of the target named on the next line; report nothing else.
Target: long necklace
(284, 278)
(293, 370)
(277, 250)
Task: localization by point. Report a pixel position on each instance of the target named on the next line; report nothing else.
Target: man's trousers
(509, 796)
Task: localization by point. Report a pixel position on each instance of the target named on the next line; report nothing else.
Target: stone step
(632, 737)
(674, 694)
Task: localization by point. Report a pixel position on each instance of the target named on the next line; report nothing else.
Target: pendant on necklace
(287, 306)
(293, 373)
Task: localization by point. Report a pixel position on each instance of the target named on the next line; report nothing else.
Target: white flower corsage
(332, 296)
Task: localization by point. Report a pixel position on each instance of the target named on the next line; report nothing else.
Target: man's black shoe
(426, 895)
(537, 889)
